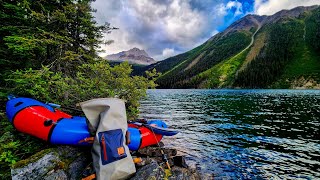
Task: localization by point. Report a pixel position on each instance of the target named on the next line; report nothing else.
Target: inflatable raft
(45, 122)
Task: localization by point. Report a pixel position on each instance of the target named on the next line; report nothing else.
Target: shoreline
(67, 162)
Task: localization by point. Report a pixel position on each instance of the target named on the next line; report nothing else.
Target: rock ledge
(66, 162)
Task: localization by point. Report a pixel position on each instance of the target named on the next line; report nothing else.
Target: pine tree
(58, 33)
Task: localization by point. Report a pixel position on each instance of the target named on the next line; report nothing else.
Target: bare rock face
(246, 23)
(133, 56)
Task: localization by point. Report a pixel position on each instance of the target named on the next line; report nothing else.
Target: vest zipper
(104, 147)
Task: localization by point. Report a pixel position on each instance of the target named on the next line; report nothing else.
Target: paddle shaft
(164, 157)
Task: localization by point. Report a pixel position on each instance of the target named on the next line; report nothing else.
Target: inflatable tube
(40, 120)
(158, 127)
(141, 137)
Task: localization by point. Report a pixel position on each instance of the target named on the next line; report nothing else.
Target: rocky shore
(66, 162)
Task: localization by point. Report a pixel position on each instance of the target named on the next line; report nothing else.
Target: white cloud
(176, 19)
(113, 12)
(152, 25)
(121, 42)
(237, 5)
(214, 32)
(220, 10)
(167, 52)
(263, 7)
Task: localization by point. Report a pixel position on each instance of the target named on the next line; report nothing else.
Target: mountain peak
(292, 13)
(246, 23)
(255, 21)
(138, 52)
(133, 56)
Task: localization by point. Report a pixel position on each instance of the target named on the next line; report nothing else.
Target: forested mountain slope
(278, 51)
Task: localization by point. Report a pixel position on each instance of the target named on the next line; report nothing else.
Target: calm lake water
(240, 134)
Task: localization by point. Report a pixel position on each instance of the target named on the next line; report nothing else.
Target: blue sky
(231, 16)
(164, 28)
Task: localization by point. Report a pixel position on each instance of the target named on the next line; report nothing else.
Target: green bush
(92, 80)
(15, 146)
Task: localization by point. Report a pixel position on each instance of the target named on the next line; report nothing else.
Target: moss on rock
(33, 158)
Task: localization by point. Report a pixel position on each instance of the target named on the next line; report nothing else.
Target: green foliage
(305, 63)
(15, 146)
(62, 34)
(291, 52)
(222, 74)
(48, 51)
(210, 53)
(92, 80)
(283, 39)
(37, 83)
(253, 29)
(312, 23)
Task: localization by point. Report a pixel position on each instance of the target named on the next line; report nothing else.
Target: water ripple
(243, 134)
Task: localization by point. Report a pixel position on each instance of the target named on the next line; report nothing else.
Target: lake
(240, 134)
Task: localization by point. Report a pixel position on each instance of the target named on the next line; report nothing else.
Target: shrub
(92, 80)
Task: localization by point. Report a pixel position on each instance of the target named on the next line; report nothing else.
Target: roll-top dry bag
(110, 154)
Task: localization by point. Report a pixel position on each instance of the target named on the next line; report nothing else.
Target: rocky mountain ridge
(252, 20)
(133, 56)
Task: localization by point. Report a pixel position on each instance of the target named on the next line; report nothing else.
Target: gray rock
(154, 171)
(180, 161)
(156, 152)
(150, 171)
(65, 162)
(37, 169)
(179, 173)
(56, 175)
(76, 168)
(70, 152)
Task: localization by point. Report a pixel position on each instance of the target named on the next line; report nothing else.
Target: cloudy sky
(164, 28)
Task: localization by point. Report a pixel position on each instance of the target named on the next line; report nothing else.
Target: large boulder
(180, 173)
(63, 162)
(153, 171)
(37, 169)
(150, 171)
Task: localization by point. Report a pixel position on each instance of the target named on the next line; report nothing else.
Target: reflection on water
(243, 133)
